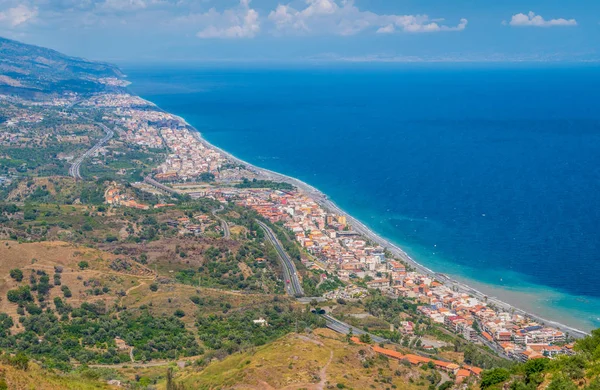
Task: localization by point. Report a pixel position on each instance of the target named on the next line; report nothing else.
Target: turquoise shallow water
(488, 174)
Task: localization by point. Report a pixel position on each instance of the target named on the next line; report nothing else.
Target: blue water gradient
(488, 173)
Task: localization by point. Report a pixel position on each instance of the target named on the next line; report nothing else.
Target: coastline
(324, 201)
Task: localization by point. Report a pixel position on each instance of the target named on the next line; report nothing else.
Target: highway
(74, 169)
(224, 225)
(342, 327)
(149, 180)
(290, 274)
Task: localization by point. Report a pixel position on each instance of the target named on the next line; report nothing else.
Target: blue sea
(487, 172)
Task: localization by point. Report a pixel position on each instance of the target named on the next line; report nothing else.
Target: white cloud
(390, 28)
(531, 19)
(239, 22)
(344, 18)
(123, 5)
(19, 15)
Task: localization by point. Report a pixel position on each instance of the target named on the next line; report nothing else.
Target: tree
(16, 274)
(20, 295)
(154, 287)
(179, 313)
(365, 338)
(561, 383)
(20, 361)
(349, 335)
(493, 376)
(83, 265)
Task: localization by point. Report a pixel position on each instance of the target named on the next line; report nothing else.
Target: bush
(66, 291)
(16, 274)
(154, 287)
(83, 265)
(179, 313)
(33, 309)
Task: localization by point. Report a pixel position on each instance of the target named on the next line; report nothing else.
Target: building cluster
(461, 372)
(113, 196)
(512, 334)
(113, 81)
(142, 124)
(189, 158)
(197, 224)
(328, 238)
(115, 100)
(24, 117)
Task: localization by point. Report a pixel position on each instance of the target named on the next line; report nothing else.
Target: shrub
(66, 291)
(83, 265)
(16, 274)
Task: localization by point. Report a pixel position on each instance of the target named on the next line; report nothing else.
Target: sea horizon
(412, 233)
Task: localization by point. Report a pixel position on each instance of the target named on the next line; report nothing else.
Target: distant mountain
(34, 70)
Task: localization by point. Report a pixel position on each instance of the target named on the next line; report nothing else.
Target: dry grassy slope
(66, 185)
(36, 378)
(46, 255)
(169, 297)
(319, 361)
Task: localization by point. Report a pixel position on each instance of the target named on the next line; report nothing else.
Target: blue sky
(309, 30)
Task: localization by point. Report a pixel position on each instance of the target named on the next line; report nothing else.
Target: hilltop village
(327, 238)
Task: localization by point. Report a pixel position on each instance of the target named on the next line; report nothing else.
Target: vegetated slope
(319, 360)
(30, 70)
(37, 378)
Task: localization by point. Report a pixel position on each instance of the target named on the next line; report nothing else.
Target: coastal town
(327, 238)
(138, 255)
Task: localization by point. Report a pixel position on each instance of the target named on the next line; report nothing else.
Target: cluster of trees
(237, 331)
(265, 184)
(221, 269)
(312, 288)
(87, 335)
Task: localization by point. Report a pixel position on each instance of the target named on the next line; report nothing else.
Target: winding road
(224, 225)
(292, 283)
(74, 169)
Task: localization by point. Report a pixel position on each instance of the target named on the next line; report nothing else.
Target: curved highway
(224, 225)
(74, 169)
(292, 284)
(342, 327)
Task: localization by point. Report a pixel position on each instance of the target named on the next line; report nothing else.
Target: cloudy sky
(309, 30)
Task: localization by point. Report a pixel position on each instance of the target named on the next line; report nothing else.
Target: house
(378, 283)
(462, 375)
(121, 344)
(261, 321)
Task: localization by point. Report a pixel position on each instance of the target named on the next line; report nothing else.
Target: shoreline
(324, 201)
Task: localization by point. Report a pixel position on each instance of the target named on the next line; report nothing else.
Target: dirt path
(130, 289)
(323, 372)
